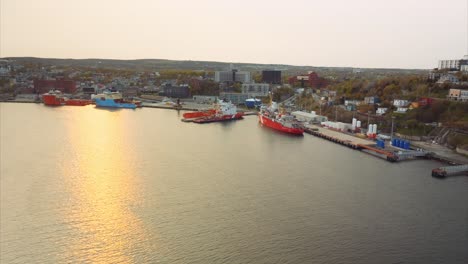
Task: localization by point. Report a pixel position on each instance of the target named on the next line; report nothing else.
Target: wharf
(365, 145)
(443, 172)
(173, 107)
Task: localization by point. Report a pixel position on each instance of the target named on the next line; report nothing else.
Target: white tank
(354, 121)
(369, 129)
(374, 129)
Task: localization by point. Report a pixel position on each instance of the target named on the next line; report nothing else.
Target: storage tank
(401, 143)
(407, 145)
(374, 129)
(358, 123)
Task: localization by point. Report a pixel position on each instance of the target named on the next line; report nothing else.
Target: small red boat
(281, 122)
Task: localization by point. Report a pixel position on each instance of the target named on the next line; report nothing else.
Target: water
(83, 185)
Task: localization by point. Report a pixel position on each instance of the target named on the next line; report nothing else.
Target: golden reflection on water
(103, 188)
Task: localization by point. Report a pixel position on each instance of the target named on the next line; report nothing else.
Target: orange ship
(56, 98)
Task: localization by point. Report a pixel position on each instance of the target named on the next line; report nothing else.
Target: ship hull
(278, 126)
(111, 103)
(199, 114)
(52, 100)
(203, 120)
(78, 102)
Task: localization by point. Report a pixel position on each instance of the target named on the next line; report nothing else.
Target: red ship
(222, 111)
(53, 98)
(198, 114)
(56, 98)
(78, 102)
(281, 122)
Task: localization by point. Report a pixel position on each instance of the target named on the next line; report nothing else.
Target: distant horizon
(399, 34)
(211, 61)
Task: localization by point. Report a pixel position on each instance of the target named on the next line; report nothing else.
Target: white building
(449, 64)
(401, 110)
(233, 76)
(454, 64)
(400, 103)
(256, 89)
(458, 95)
(352, 102)
(448, 78)
(311, 117)
(381, 111)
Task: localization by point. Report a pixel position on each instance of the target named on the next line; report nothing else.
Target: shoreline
(441, 153)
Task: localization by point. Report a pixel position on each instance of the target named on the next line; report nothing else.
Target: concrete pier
(443, 172)
(369, 146)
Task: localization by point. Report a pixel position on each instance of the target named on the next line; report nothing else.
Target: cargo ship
(113, 100)
(56, 98)
(222, 111)
(269, 117)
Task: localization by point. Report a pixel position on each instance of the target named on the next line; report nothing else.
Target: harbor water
(89, 185)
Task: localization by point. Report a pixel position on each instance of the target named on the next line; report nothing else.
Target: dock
(443, 172)
(391, 154)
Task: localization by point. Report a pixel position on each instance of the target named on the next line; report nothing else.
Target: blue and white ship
(112, 100)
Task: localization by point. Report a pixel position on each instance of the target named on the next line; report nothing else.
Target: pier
(443, 172)
(364, 145)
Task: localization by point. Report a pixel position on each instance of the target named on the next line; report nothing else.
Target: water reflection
(103, 185)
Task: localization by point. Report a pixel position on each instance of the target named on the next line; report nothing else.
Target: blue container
(407, 144)
(397, 143)
(394, 142)
(402, 143)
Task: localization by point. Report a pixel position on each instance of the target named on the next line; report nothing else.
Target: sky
(335, 33)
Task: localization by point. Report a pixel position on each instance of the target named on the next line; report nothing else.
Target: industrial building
(256, 89)
(65, 86)
(271, 77)
(233, 76)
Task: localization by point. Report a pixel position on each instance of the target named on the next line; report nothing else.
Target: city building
(311, 117)
(235, 98)
(458, 95)
(381, 111)
(271, 77)
(454, 64)
(352, 102)
(233, 76)
(447, 78)
(425, 101)
(43, 86)
(401, 110)
(312, 79)
(371, 100)
(205, 99)
(176, 91)
(400, 103)
(256, 89)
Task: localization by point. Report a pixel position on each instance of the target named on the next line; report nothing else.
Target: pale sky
(350, 33)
